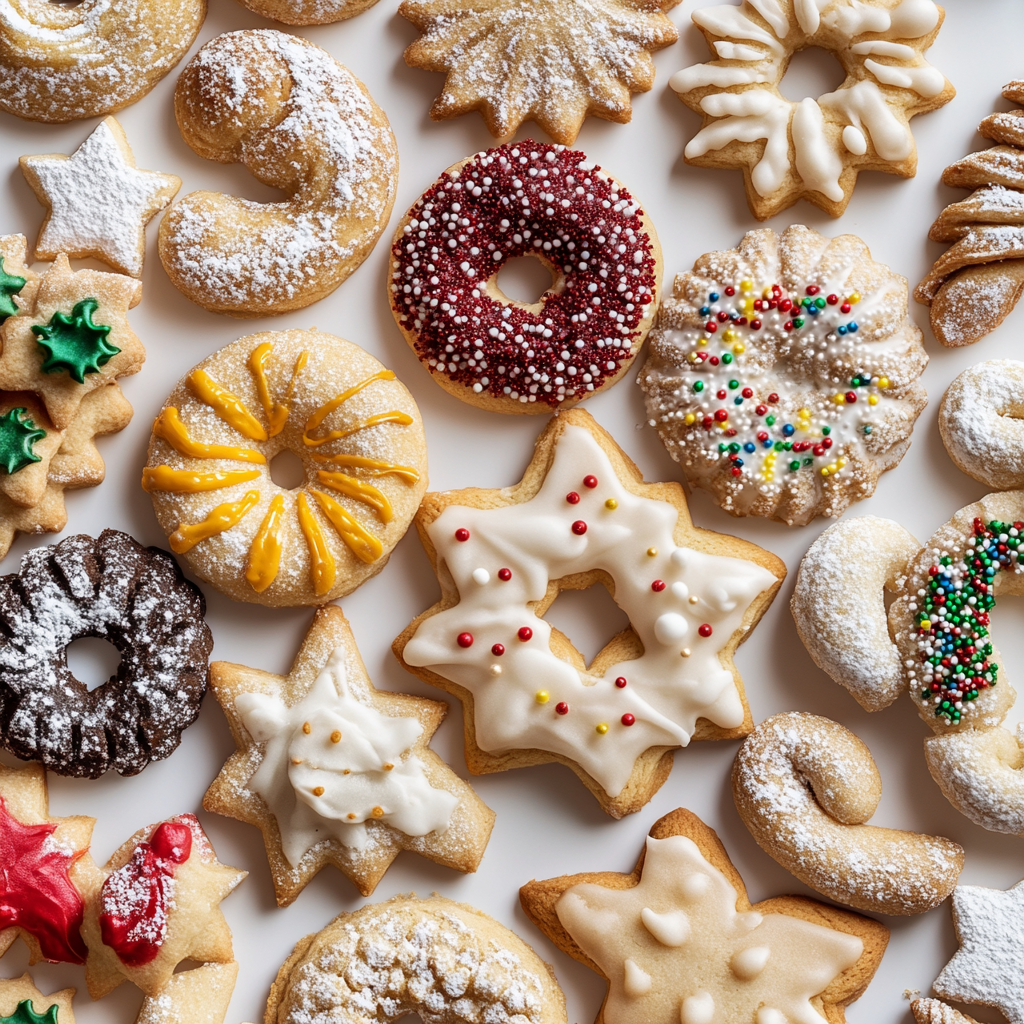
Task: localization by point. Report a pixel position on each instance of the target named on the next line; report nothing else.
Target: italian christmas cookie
(303, 123)
(18, 282)
(582, 515)
(22, 1003)
(60, 62)
(582, 224)
(812, 148)
(678, 940)
(504, 58)
(439, 959)
(334, 771)
(353, 425)
(155, 904)
(198, 996)
(783, 375)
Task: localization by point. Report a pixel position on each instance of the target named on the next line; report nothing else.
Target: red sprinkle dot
(747, 393)
(705, 630)
(620, 682)
(628, 719)
(573, 498)
(851, 397)
(658, 586)
(730, 290)
(773, 398)
(579, 527)
(813, 289)
(722, 317)
(465, 639)
(736, 471)
(504, 575)
(711, 327)
(498, 650)
(755, 325)
(721, 415)
(832, 300)
(562, 708)
(525, 633)
(462, 534)
(722, 394)
(590, 481)
(785, 305)
(845, 308)
(761, 410)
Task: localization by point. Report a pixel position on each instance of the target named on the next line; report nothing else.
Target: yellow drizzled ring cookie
(356, 430)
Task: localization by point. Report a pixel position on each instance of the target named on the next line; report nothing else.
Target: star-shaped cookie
(49, 516)
(18, 282)
(156, 903)
(582, 515)
(678, 940)
(45, 869)
(555, 62)
(78, 462)
(76, 339)
(334, 771)
(989, 966)
(99, 202)
(22, 1003)
(199, 996)
(28, 443)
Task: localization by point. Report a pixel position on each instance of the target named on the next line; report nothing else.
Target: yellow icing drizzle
(222, 518)
(375, 467)
(168, 427)
(394, 416)
(361, 491)
(364, 545)
(321, 563)
(230, 408)
(276, 412)
(327, 408)
(185, 481)
(265, 552)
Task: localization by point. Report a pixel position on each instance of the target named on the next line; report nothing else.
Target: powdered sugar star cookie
(199, 996)
(22, 1003)
(99, 202)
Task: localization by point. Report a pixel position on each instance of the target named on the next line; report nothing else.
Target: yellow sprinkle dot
(378, 812)
(319, 791)
(542, 697)
(611, 504)
(739, 348)
(824, 470)
(602, 728)
(702, 341)
(652, 552)
(689, 419)
(840, 463)
(730, 335)
(854, 298)
(805, 412)
(387, 766)
(767, 293)
(746, 285)
(350, 816)
(883, 382)
(307, 728)
(336, 736)
(872, 399)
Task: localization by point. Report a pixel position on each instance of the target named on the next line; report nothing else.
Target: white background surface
(547, 823)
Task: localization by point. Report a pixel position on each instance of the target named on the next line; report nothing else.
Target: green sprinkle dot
(820, 303)
(727, 358)
(798, 322)
(794, 465)
(74, 343)
(770, 420)
(733, 385)
(698, 386)
(826, 431)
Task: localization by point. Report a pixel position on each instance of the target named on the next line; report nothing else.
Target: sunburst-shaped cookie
(553, 62)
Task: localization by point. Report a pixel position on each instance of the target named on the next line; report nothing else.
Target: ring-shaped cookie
(59, 62)
(308, 12)
(356, 430)
(811, 149)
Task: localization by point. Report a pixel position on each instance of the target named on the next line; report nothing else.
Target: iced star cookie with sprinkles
(783, 374)
(582, 515)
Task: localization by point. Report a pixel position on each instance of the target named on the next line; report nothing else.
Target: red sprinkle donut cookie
(525, 199)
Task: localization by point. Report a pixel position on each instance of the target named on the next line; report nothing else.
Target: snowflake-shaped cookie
(811, 149)
(555, 61)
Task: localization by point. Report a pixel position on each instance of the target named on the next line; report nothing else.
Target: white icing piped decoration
(698, 1009)
(332, 762)
(481, 577)
(636, 982)
(694, 886)
(749, 920)
(680, 590)
(671, 628)
(671, 929)
(769, 1015)
(748, 963)
(854, 141)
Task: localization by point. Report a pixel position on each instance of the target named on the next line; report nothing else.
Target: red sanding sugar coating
(517, 199)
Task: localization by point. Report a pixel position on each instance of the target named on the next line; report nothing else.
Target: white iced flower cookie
(334, 771)
(583, 515)
(812, 149)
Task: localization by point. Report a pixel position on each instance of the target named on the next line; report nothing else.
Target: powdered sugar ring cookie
(357, 431)
(804, 787)
(520, 199)
(811, 149)
(308, 12)
(301, 122)
(59, 62)
(783, 375)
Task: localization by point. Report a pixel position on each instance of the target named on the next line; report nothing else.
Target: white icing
(854, 141)
(883, 48)
(698, 1009)
(351, 768)
(665, 692)
(926, 81)
(808, 14)
(670, 929)
(748, 963)
(636, 982)
(772, 12)
(816, 161)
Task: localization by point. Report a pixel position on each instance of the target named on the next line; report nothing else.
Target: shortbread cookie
(581, 223)
(334, 771)
(22, 1003)
(77, 339)
(308, 12)
(783, 374)
(987, 968)
(811, 149)
(98, 202)
(358, 433)
(678, 940)
(60, 62)
(303, 123)
(28, 443)
(582, 515)
(18, 282)
(78, 462)
(49, 516)
(157, 904)
(133, 596)
(554, 64)
(442, 960)
(934, 1011)
(804, 787)
(46, 867)
(198, 996)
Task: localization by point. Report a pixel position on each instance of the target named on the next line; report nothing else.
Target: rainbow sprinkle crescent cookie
(59, 62)
(812, 149)
(357, 432)
(583, 515)
(783, 374)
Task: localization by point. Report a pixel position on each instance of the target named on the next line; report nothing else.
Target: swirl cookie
(303, 123)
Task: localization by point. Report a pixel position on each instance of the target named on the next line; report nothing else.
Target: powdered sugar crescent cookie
(583, 515)
(308, 12)
(22, 1003)
(59, 62)
(301, 122)
(445, 961)
(813, 148)
(354, 426)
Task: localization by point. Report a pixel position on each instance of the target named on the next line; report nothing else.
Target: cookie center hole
(287, 471)
(589, 618)
(812, 72)
(93, 661)
(525, 279)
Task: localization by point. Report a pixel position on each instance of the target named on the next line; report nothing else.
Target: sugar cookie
(308, 12)
(18, 282)
(197, 996)
(22, 1003)
(28, 443)
(934, 1011)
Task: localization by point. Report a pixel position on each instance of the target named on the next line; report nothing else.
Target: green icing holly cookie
(18, 435)
(74, 343)
(10, 285)
(24, 1014)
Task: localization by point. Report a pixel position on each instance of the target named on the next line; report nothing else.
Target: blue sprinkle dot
(840, 330)
(813, 310)
(704, 310)
(768, 443)
(737, 462)
(749, 447)
(738, 400)
(789, 430)
(852, 328)
(713, 296)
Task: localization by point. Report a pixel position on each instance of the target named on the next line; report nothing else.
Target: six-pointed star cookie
(99, 201)
(581, 515)
(989, 967)
(76, 340)
(22, 1003)
(678, 940)
(156, 903)
(334, 771)
(554, 62)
